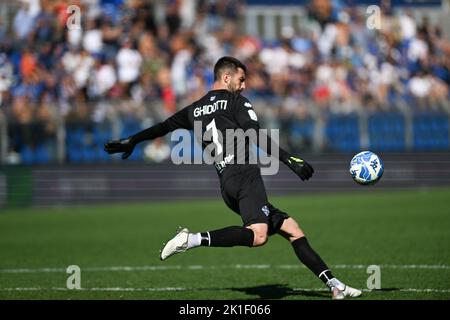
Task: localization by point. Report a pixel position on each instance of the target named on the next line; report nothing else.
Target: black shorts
(243, 191)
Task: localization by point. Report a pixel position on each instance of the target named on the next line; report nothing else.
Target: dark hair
(227, 63)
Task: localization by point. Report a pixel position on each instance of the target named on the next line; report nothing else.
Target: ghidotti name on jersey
(210, 108)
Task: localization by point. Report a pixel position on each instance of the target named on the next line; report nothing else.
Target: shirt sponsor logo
(252, 115)
(222, 164)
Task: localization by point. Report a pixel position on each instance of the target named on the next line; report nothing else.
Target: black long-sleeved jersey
(219, 120)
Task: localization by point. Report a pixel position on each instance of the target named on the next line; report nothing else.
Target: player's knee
(260, 235)
(260, 239)
(291, 230)
(296, 234)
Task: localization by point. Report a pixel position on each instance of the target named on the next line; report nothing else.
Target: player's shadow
(277, 291)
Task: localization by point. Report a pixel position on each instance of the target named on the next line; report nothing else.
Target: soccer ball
(366, 168)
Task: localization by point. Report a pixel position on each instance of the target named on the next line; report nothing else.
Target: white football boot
(177, 244)
(341, 291)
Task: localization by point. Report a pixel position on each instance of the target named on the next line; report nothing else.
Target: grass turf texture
(350, 232)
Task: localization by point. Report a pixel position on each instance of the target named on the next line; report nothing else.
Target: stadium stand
(65, 91)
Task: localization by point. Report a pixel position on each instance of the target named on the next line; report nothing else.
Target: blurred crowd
(150, 58)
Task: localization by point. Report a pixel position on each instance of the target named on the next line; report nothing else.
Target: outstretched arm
(126, 145)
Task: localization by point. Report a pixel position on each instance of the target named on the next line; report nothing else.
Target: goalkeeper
(241, 185)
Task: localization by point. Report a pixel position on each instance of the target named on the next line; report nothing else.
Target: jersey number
(215, 136)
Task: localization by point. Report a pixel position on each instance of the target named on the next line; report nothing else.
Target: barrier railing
(73, 139)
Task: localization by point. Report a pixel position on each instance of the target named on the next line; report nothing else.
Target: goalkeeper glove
(301, 168)
(126, 146)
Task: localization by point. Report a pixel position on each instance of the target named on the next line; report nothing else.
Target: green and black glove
(125, 146)
(301, 168)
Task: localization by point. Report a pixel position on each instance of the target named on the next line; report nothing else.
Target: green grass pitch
(406, 233)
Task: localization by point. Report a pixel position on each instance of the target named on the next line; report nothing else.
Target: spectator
(157, 151)
(332, 59)
(102, 79)
(92, 39)
(129, 62)
(24, 20)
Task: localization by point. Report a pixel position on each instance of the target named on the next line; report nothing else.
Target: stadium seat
(342, 132)
(430, 131)
(387, 131)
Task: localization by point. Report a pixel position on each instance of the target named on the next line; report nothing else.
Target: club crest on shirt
(265, 210)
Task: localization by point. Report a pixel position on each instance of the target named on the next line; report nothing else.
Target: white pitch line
(375, 291)
(212, 267)
(121, 289)
(94, 289)
(394, 266)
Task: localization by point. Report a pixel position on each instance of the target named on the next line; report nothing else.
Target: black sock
(228, 237)
(311, 259)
